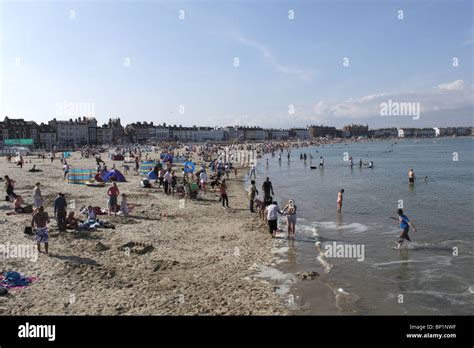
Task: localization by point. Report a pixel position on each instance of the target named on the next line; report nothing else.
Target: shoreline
(284, 270)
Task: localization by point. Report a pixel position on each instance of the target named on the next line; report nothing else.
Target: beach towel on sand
(15, 280)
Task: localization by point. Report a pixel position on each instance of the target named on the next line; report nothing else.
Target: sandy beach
(202, 261)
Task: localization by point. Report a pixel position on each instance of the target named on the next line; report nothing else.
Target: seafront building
(57, 134)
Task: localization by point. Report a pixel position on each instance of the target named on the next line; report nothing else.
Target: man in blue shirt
(405, 225)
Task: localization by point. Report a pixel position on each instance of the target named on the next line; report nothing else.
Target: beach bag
(28, 230)
(3, 291)
(28, 209)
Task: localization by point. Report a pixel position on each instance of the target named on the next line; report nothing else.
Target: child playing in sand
(123, 205)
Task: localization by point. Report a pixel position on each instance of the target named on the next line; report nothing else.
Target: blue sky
(49, 58)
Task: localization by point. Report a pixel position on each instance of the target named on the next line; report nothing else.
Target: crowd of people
(217, 165)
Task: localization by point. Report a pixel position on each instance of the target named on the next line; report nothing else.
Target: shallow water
(425, 278)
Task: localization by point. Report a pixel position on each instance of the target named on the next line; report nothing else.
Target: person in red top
(223, 191)
(113, 193)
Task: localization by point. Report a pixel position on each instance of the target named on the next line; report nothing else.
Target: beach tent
(79, 176)
(166, 157)
(146, 167)
(111, 174)
(152, 175)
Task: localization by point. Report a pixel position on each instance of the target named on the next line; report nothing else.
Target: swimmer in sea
(411, 177)
(339, 200)
(405, 225)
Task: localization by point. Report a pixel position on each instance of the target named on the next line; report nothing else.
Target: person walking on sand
(339, 200)
(252, 193)
(66, 170)
(223, 192)
(39, 223)
(290, 211)
(9, 188)
(203, 180)
(174, 182)
(113, 193)
(167, 182)
(37, 197)
(411, 177)
(405, 225)
(272, 212)
(60, 205)
(252, 171)
(20, 162)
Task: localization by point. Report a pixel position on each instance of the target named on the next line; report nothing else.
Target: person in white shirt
(252, 172)
(167, 181)
(203, 180)
(272, 212)
(37, 197)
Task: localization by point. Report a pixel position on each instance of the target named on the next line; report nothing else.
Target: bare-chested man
(39, 223)
(411, 177)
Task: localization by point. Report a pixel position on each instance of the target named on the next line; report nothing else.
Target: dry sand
(203, 261)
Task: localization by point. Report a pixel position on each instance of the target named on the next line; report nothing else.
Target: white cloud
(270, 58)
(447, 96)
(458, 84)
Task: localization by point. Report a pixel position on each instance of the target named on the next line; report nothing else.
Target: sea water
(433, 275)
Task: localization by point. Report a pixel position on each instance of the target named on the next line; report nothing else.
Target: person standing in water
(267, 191)
(405, 225)
(252, 193)
(272, 212)
(339, 200)
(360, 163)
(321, 161)
(411, 177)
(290, 211)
